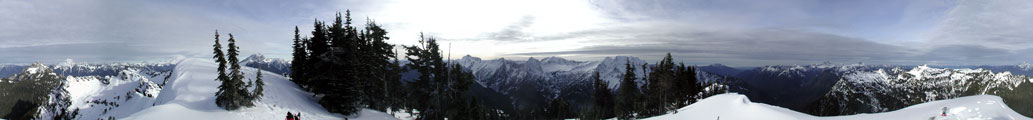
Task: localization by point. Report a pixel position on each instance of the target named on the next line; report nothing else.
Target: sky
(730, 32)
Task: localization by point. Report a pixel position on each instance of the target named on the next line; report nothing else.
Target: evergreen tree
(395, 89)
(559, 109)
(259, 85)
(226, 89)
(351, 68)
(425, 58)
(300, 58)
(603, 104)
(376, 56)
(239, 97)
(659, 91)
(629, 94)
(320, 42)
(687, 84)
(458, 85)
(221, 97)
(219, 58)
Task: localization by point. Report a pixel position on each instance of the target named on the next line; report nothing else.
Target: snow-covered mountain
(91, 91)
(793, 86)
(844, 89)
(883, 90)
(275, 65)
(535, 81)
(739, 107)
(29, 94)
(553, 71)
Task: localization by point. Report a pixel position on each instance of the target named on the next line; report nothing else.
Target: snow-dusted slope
(739, 107)
(190, 94)
(551, 71)
(113, 95)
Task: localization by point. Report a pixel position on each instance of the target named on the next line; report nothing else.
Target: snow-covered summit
(36, 71)
(258, 57)
(738, 107)
(37, 68)
(275, 65)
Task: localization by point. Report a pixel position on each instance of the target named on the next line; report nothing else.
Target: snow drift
(190, 94)
(734, 106)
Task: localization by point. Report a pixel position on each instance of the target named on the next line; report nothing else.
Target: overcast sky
(732, 32)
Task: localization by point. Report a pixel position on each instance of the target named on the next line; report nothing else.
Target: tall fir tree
(659, 85)
(300, 58)
(559, 109)
(603, 99)
(425, 58)
(627, 99)
(240, 97)
(223, 95)
(259, 85)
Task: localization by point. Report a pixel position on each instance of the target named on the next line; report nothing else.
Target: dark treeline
(353, 68)
(356, 68)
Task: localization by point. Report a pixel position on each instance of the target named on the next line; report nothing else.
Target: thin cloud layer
(733, 32)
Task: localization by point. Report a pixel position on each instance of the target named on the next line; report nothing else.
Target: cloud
(757, 47)
(128, 31)
(997, 24)
(515, 32)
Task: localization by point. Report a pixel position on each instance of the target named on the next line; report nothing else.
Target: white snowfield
(190, 94)
(735, 106)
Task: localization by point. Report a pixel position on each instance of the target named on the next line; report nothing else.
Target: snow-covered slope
(112, 95)
(190, 94)
(739, 107)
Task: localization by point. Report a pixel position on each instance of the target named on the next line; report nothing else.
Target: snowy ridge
(890, 89)
(190, 94)
(112, 90)
(550, 71)
(738, 107)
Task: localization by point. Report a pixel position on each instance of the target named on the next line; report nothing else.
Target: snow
(190, 94)
(734, 106)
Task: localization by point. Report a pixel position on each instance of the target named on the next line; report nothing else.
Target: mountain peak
(532, 59)
(36, 67)
(256, 56)
(717, 65)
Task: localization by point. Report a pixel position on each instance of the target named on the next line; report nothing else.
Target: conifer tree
(603, 104)
(425, 58)
(559, 109)
(629, 94)
(240, 97)
(300, 57)
(259, 85)
(224, 97)
(659, 91)
(320, 42)
(220, 58)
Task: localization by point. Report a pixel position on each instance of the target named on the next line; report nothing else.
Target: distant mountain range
(817, 89)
